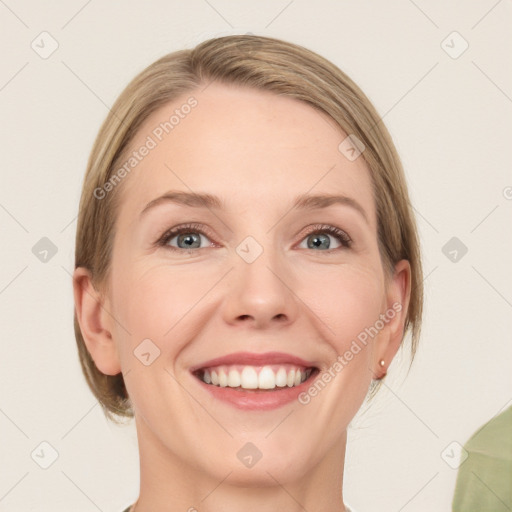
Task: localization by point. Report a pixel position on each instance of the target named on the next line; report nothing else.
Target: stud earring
(382, 363)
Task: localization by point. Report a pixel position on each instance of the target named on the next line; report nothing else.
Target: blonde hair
(260, 63)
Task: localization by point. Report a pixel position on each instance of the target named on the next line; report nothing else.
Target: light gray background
(451, 121)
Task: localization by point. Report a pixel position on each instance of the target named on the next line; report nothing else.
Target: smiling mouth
(256, 378)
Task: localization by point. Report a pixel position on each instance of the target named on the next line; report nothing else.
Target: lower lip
(257, 399)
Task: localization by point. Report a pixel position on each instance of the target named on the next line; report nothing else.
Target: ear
(95, 322)
(396, 306)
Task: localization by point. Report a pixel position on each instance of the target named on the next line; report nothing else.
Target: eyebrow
(301, 202)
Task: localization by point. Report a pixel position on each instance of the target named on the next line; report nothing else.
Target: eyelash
(342, 237)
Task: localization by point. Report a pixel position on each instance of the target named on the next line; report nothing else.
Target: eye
(317, 238)
(188, 237)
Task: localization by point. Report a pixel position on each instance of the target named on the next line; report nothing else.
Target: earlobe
(94, 323)
(397, 305)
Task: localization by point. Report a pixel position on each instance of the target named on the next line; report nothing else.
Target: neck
(169, 483)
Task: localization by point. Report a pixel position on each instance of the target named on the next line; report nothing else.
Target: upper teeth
(253, 377)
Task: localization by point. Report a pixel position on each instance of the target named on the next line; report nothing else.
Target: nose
(260, 293)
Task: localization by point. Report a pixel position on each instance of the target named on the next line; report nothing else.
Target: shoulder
(493, 437)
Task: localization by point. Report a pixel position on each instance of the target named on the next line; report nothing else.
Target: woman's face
(255, 282)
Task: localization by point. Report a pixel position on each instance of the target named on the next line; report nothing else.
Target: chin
(260, 463)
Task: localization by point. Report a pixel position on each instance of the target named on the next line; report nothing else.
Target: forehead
(246, 146)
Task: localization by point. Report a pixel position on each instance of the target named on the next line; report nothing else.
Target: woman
(247, 266)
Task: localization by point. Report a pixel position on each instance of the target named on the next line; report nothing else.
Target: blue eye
(317, 238)
(190, 236)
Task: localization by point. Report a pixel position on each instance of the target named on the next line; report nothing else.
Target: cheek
(348, 299)
(156, 303)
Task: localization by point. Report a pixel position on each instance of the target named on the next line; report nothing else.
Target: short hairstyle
(255, 62)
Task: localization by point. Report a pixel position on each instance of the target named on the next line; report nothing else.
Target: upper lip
(254, 359)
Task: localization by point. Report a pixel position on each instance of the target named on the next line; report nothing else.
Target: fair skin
(257, 152)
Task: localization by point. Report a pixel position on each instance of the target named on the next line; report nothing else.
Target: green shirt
(484, 480)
